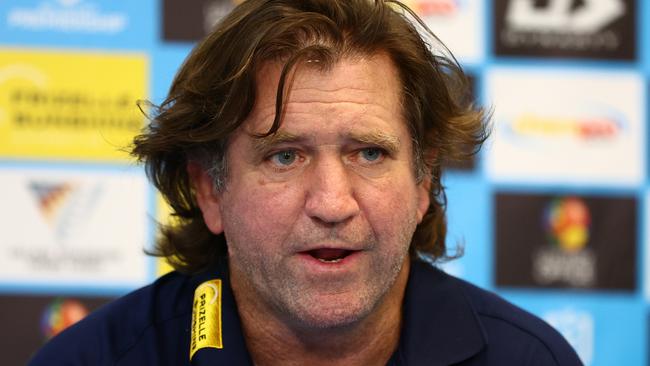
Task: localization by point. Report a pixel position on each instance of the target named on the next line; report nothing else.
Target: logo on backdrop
(577, 327)
(66, 208)
(566, 28)
(566, 241)
(55, 105)
(60, 314)
(583, 127)
(51, 197)
(40, 317)
(564, 126)
(76, 16)
(56, 230)
(566, 257)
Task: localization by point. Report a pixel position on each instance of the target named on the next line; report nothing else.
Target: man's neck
(371, 341)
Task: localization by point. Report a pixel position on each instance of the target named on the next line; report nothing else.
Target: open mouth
(329, 255)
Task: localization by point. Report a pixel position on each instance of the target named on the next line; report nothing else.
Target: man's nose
(330, 192)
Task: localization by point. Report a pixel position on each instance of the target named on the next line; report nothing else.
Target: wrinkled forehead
(369, 80)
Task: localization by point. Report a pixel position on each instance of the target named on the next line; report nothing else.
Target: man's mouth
(329, 255)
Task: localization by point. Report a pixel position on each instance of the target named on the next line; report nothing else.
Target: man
(300, 148)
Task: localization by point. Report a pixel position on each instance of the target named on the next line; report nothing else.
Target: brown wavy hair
(214, 92)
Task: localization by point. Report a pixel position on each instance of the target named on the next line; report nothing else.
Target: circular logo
(567, 223)
(60, 314)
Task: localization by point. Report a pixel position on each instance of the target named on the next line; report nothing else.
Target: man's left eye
(372, 153)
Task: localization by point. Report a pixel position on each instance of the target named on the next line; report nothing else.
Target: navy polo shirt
(447, 321)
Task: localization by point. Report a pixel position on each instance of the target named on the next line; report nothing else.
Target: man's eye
(372, 153)
(286, 157)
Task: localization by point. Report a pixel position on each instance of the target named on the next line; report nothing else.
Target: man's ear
(206, 196)
(424, 198)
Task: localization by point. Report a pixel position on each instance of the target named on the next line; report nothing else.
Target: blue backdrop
(552, 214)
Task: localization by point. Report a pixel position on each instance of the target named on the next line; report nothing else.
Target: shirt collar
(440, 326)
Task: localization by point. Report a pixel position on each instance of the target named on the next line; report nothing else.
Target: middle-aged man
(300, 148)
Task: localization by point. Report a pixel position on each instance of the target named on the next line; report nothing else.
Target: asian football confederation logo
(567, 222)
(566, 258)
(61, 314)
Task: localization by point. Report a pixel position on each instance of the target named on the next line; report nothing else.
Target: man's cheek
(273, 203)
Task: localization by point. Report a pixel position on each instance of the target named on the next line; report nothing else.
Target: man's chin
(330, 314)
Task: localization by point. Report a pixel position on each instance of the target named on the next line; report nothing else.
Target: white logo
(559, 16)
(578, 329)
(67, 16)
(73, 244)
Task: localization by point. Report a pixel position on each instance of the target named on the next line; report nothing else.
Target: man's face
(319, 216)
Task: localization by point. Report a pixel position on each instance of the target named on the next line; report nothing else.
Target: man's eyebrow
(263, 144)
(379, 138)
(386, 141)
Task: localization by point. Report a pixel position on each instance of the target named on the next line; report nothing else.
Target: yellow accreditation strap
(206, 317)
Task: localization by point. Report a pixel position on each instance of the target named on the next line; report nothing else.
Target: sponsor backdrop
(553, 214)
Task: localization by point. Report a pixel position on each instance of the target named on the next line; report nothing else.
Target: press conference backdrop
(553, 214)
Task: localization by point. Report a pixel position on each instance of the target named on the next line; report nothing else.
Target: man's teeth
(330, 260)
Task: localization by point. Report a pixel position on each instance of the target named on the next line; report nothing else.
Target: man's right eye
(284, 158)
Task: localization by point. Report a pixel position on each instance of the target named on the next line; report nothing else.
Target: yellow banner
(206, 317)
(70, 105)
